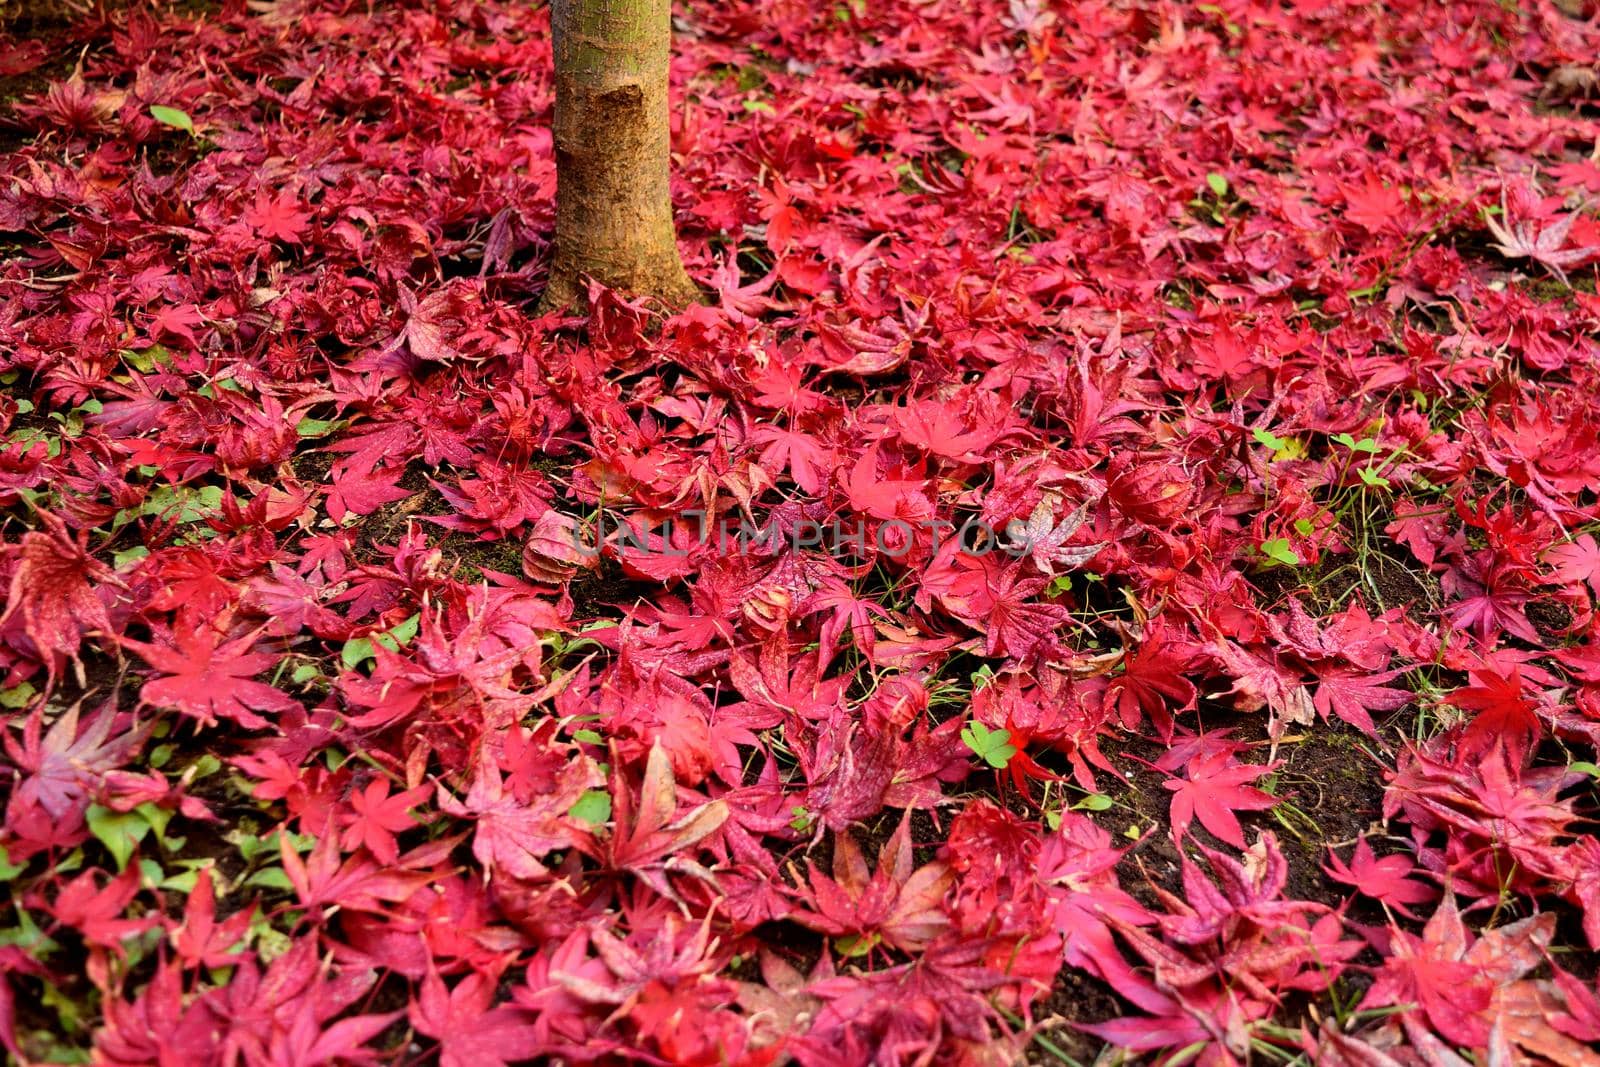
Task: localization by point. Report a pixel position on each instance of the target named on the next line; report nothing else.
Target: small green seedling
(1278, 550)
(994, 747)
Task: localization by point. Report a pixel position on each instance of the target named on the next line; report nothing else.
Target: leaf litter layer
(1271, 327)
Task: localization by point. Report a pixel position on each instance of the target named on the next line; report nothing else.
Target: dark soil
(1386, 578)
(1550, 617)
(597, 593)
(473, 556)
(1076, 998)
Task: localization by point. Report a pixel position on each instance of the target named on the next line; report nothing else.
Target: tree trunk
(613, 145)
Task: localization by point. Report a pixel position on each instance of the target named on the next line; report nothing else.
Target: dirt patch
(1398, 583)
(599, 593)
(798, 947)
(1333, 792)
(1076, 998)
(1276, 586)
(473, 556)
(312, 467)
(1383, 577)
(1550, 617)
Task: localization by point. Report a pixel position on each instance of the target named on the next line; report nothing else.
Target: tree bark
(613, 147)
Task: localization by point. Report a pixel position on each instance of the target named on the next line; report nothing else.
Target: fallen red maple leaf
(1384, 880)
(51, 591)
(898, 903)
(211, 679)
(513, 836)
(1214, 787)
(471, 1031)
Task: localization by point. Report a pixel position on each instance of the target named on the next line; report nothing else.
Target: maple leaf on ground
(356, 883)
(375, 818)
(1215, 787)
(648, 829)
(277, 217)
(202, 941)
(999, 604)
(1556, 1021)
(934, 426)
(1077, 867)
(212, 681)
(303, 1040)
(1266, 679)
(471, 1031)
(1376, 206)
(744, 303)
(883, 498)
(1506, 719)
(51, 591)
(355, 492)
(1153, 681)
(1045, 541)
(1576, 561)
(179, 320)
(1383, 880)
(1351, 694)
(162, 1024)
(1489, 599)
(439, 326)
(899, 903)
(1449, 978)
(808, 460)
(665, 952)
(276, 1016)
(1543, 242)
(513, 837)
(1248, 888)
(97, 912)
(64, 766)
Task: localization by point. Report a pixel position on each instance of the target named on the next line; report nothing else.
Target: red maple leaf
(935, 426)
(1507, 718)
(375, 817)
(51, 591)
(1215, 788)
(97, 911)
(212, 681)
(202, 941)
(354, 492)
(1491, 598)
(277, 217)
(1542, 239)
(1152, 680)
(1384, 880)
(63, 768)
(179, 320)
(899, 903)
(807, 459)
(648, 829)
(1577, 561)
(1450, 977)
(1000, 604)
(743, 303)
(471, 1031)
(883, 497)
(1376, 206)
(357, 883)
(1351, 694)
(513, 836)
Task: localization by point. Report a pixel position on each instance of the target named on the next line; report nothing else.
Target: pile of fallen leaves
(381, 683)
